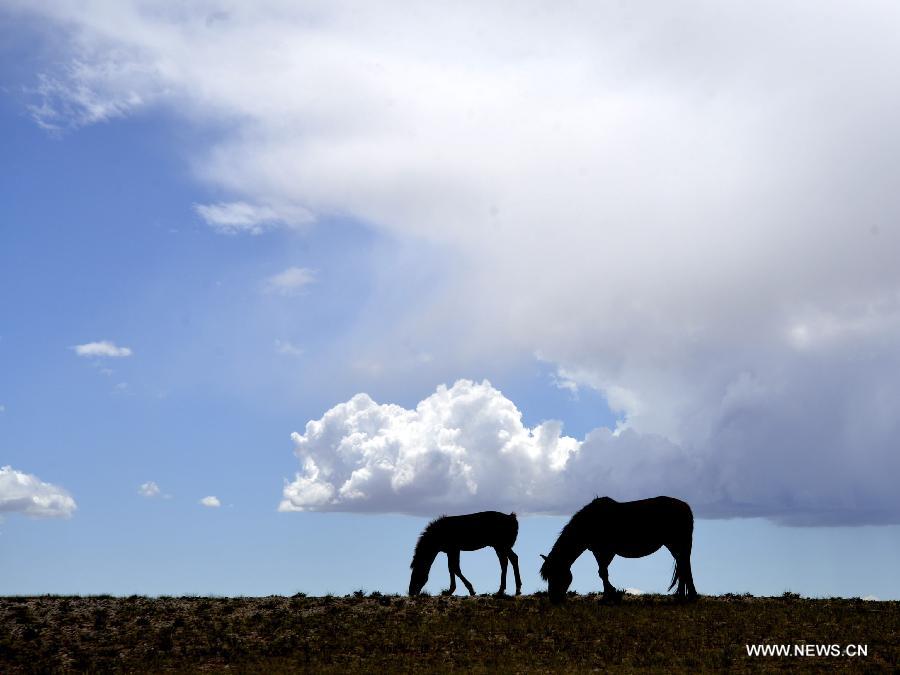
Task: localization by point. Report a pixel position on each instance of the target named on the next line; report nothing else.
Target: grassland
(436, 634)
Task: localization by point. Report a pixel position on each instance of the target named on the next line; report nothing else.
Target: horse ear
(542, 555)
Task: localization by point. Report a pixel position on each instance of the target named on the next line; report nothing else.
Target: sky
(280, 283)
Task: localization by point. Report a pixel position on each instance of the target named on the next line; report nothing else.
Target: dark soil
(437, 634)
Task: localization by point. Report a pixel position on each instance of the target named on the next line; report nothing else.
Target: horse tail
(676, 572)
(674, 576)
(515, 526)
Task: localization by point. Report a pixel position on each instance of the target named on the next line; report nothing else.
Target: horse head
(418, 579)
(558, 578)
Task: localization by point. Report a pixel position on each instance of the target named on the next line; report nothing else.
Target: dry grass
(391, 633)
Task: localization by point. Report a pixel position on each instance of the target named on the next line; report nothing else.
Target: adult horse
(452, 534)
(608, 528)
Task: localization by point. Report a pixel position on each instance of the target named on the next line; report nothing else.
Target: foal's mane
(424, 538)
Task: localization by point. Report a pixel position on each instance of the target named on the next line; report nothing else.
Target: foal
(452, 534)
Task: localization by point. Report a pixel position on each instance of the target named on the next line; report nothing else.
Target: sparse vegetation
(481, 634)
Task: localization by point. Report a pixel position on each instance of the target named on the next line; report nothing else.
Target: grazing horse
(452, 534)
(608, 528)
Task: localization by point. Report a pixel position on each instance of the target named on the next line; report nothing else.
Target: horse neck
(568, 547)
(425, 553)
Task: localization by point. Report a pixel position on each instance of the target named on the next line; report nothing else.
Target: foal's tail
(515, 526)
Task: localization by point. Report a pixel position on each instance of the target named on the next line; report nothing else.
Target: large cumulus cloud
(691, 208)
(27, 494)
(465, 448)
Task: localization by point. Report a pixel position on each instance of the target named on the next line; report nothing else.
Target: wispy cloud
(211, 501)
(244, 218)
(285, 347)
(291, 281)
(27, 494)
(104, 349)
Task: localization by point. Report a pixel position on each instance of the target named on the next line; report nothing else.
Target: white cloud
(291, 281)
(27, 494)
(633, 591)
(690, 208)
(241, 217)
(872, 598)
(149, 489)
(466, 448)
(211, 501)
(104, 348)
(288, 348)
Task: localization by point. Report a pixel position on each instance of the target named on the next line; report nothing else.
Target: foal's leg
(454, 569)
(514, 559)
(501, 556)
(452, 588)
(604, 558)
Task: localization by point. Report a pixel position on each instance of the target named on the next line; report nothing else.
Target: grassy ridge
(390, 633)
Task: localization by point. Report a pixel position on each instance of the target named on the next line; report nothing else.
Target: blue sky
(729, 340)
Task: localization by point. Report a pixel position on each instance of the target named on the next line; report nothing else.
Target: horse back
(660, 520)
(477, 530)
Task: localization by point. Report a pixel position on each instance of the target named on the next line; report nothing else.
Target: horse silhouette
(608, 528)
(452, 534)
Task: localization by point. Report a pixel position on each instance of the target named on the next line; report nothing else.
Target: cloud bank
(465, 448)
(27, 494)
(692, 208)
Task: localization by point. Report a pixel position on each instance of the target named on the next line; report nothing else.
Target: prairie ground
(438, 634)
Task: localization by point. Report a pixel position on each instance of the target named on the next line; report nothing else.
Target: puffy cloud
(149, 489)
(465, 448)
(290, 282)
(690, 208)
(211, 501)
(25, 493)
(104, 348)
(241, 217)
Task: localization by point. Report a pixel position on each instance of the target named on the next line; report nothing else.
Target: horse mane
(424, 538)
(573, 526)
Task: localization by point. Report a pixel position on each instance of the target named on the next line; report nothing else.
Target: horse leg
(514, 559)
(604, 558)
(501, 556)
(454, 567)
(452, 588)
(688, 575)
